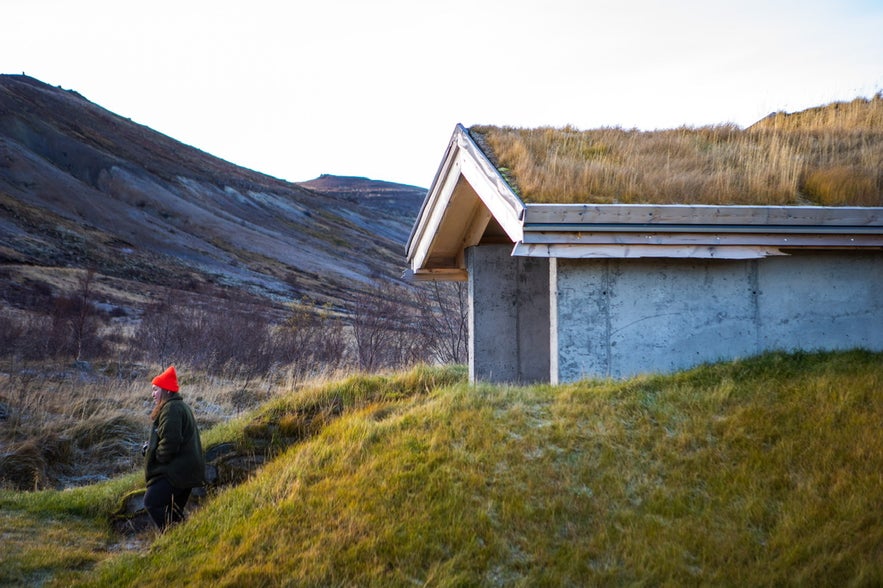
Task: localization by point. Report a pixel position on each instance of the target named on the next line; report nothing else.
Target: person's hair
(161, 400)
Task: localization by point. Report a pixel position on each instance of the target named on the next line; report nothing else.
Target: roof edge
(574, 216)
(464, 158)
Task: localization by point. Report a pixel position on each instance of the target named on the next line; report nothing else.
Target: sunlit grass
(830, 156)
(57, 535)
(758, 472)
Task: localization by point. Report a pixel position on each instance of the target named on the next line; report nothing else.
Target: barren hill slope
(81, 187)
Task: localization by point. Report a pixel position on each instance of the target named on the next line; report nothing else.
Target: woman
(174, 463)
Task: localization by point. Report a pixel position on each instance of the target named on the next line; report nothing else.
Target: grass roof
(827, 156)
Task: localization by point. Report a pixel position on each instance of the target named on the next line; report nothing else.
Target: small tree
(157, 331)
(374, 319)
(311, 339)
(81, 324)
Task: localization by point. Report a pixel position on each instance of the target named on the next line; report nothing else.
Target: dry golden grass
(829, 156)
(69, 426)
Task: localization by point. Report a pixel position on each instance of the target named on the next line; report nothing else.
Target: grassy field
(767, 471)
(827, 156)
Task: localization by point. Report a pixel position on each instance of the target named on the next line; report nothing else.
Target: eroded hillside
(81, 187)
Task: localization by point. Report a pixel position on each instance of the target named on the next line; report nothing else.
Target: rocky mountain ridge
(82, 187)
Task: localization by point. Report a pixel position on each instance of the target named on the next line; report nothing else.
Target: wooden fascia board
(480, 219)
(664, 230)
(719, 239)
(432, 210)
(442, 274)
(568, 216)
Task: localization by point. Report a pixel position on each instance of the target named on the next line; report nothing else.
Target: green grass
(57, 535)
(758, 472)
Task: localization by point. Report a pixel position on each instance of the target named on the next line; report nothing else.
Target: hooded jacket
(175, 449)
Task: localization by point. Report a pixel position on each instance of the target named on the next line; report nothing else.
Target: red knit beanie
(168, 380)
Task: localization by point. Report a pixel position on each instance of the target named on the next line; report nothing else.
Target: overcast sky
(374, 88)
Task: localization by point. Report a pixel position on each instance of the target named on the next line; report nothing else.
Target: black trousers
(165, 503)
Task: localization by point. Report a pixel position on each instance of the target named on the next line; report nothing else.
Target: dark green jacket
(175, 450)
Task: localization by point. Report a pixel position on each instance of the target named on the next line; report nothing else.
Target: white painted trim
(435, 193)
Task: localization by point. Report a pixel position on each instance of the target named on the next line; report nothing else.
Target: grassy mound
(758, 472)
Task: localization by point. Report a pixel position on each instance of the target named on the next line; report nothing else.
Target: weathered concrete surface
(617, 318)
(508, 315)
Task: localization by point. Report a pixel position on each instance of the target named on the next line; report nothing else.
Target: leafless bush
(68, 328)
(380, 316)
(445, 319)
(242, 342)
(397, 326)
(310, 342)
(206, 339)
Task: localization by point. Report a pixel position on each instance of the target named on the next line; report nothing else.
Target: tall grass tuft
(69, 426)
(830, 156)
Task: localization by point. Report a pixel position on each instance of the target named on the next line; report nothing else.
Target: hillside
(763, 472)
(82, 187)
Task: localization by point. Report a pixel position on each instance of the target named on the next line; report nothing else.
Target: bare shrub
(157, 333)
(310, 342)
(66, 330)
(217, 340)
(83, 328)
(386, 328)
(397, 326)
(445, 319)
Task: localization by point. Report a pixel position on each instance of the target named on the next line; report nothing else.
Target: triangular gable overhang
(465, 195)
(468, 192)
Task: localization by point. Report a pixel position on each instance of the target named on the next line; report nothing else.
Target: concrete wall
(508, 315)
(617, 318)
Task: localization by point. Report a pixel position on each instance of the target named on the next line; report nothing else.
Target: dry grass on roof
(829, 156)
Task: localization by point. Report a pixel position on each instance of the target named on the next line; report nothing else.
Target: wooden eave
(465, 195)
(468, 191)
(703, 231)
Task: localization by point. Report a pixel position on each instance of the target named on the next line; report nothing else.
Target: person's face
(156, 390)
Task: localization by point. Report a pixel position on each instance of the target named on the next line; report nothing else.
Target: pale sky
(375, 87)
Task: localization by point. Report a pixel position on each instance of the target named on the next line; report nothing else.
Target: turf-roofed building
(609, 253)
